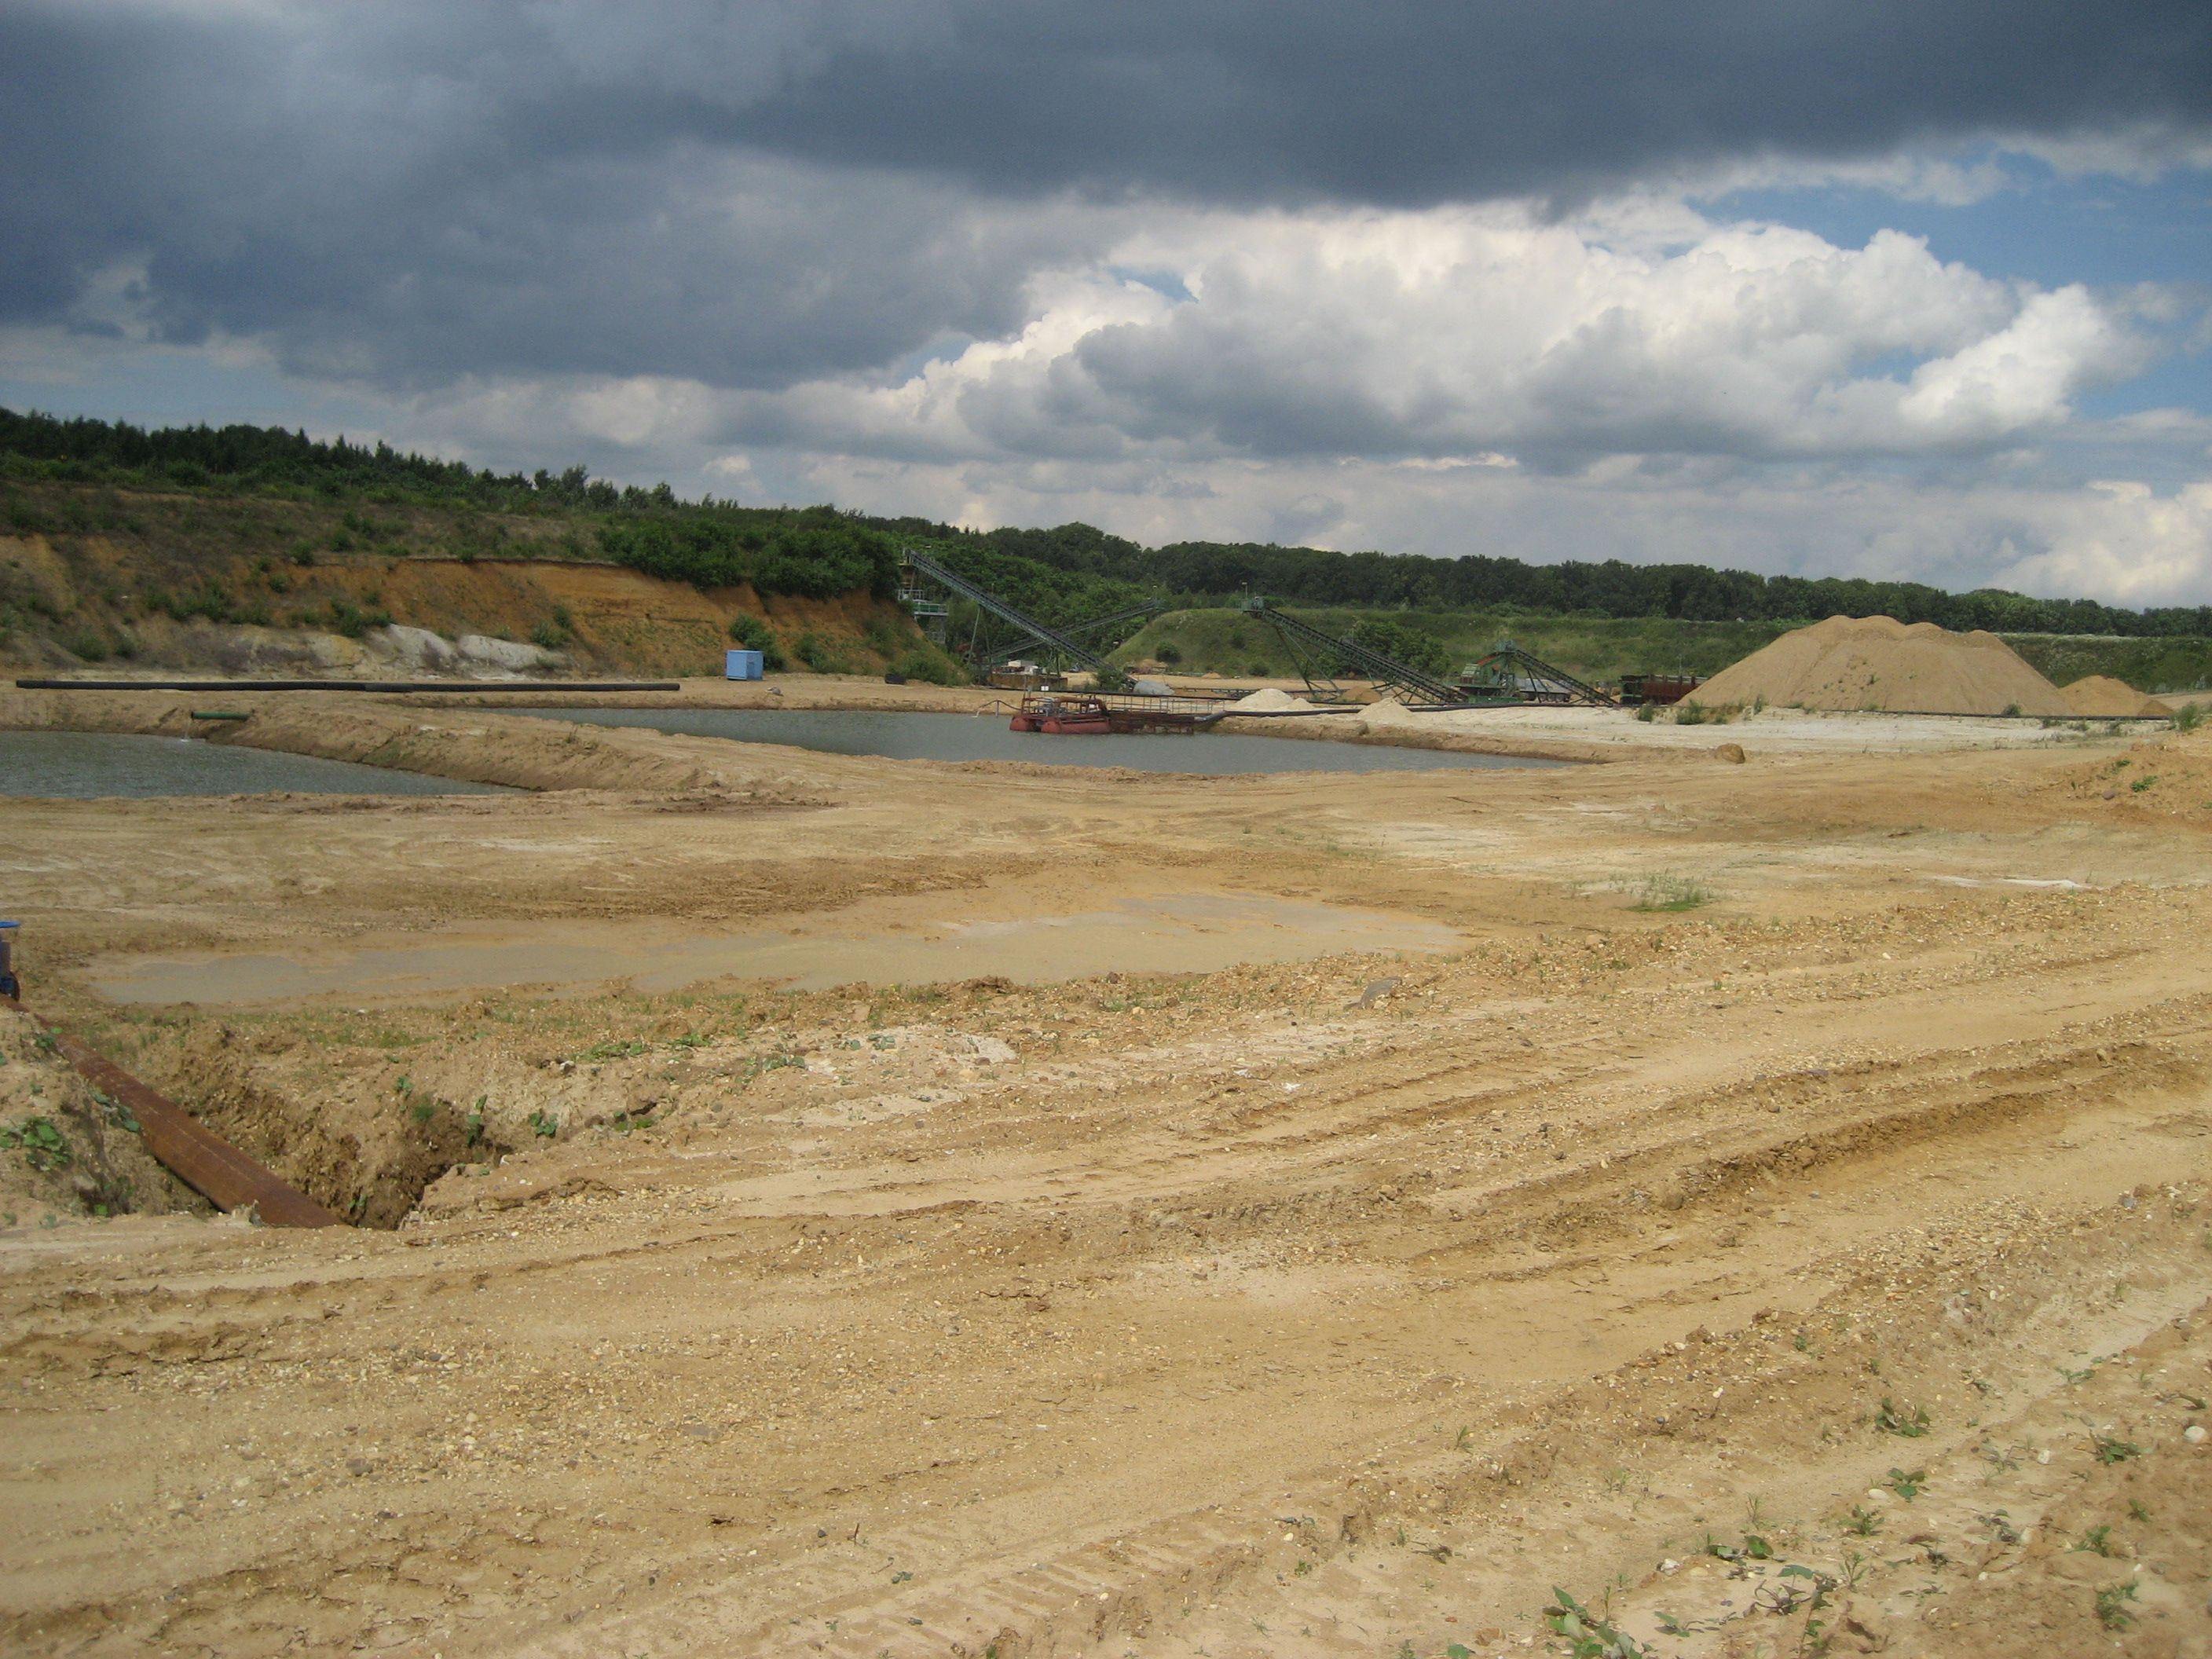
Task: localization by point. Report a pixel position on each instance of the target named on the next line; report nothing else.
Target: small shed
(741, 664)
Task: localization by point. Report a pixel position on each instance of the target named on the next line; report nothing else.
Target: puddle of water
(985, 737)
(1175, 933)
(104, 765)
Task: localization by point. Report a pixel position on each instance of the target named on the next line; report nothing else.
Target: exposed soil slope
(104, 599)
(1877, 662)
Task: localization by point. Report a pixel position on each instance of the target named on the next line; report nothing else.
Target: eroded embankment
(151, 600)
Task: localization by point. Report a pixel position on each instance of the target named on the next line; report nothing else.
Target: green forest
(1436, 609)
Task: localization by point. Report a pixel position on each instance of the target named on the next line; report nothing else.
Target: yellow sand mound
(1878, 662)
(1385, 711)
(1268, 701)
(2102, 694)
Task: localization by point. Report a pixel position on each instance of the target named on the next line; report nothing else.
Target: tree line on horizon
(1064, 571)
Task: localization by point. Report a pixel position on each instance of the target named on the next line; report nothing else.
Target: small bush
(927, 662)
(352, 620)
(754, 634)
(549, 636)
(1893, 1419)
(1672, 893)
(2112, 1605)
(2188, 717)
(89, 645)
(1167, 654)
(884, 637)
(817, 654)
(1690, 713)
(40, 1141)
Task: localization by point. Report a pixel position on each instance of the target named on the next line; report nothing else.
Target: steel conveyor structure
(1510, 669)
(1318, 653)
(1059, 640)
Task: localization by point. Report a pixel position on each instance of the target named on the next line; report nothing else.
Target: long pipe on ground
(501, 686)
(191, 1151)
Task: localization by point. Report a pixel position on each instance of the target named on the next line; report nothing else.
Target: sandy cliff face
(70, 603)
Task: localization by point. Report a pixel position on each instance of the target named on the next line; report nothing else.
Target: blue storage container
(742, 666)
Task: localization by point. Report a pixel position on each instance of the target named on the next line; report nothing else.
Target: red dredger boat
(1062, 715)
(1065, 714)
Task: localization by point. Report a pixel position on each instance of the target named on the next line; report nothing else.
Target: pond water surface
(96, 765)
(1165, 932)
(985, 737)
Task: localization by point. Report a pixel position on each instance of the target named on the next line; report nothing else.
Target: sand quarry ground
(1767, 1200)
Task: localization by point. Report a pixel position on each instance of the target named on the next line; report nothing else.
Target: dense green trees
(1409, 646)
(818, 555)
(1060, 575)
(1611, 588)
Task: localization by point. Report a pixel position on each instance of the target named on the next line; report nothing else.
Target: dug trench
(1339, 1306)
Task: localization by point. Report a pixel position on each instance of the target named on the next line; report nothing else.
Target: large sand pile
(1878, 662)
(2102, 696)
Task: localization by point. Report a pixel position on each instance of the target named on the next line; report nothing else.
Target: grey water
(97, 765)
(986, 738)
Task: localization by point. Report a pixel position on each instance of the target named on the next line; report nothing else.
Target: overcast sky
(1883, 287)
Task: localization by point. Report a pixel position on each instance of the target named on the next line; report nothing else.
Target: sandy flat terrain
(1678, 1171)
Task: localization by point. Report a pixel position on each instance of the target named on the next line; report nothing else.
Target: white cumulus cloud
(1467, 331)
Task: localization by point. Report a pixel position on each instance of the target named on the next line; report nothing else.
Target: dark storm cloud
(757, 194)
(409, 195)
(1412, 104)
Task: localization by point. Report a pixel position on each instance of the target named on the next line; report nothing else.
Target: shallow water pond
(97, 765)
(1169, 933)
(985, 737)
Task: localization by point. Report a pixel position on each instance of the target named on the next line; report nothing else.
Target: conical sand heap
(1877, 662)
(2102, 694)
